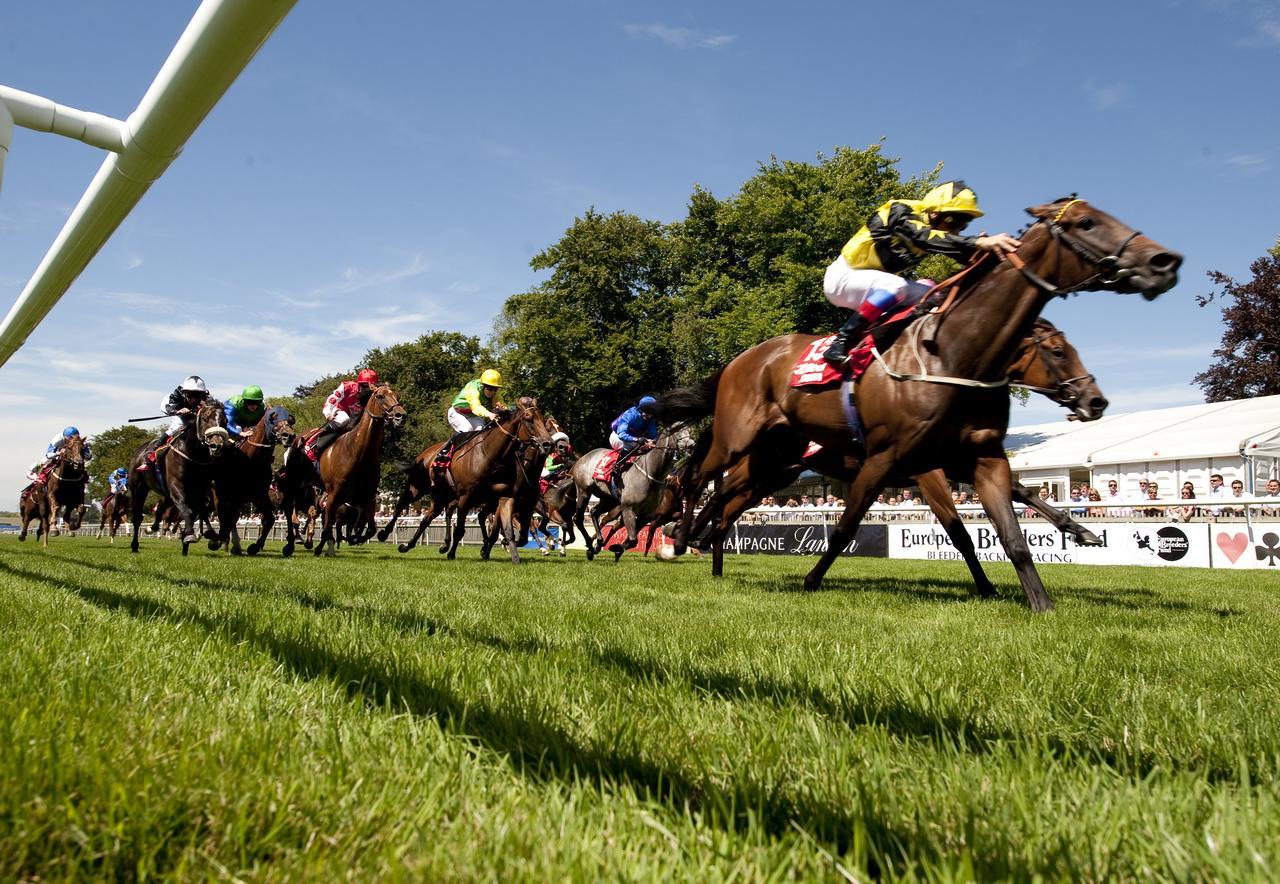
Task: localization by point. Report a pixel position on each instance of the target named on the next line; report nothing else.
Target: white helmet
(194, 384)
(560, 437)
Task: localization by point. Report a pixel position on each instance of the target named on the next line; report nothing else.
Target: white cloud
(1107, 96)
(383, 330)
(132, 262)
(680, 38)
(1246, 164)
(353, 279)
(1104, 356)
(140, 300)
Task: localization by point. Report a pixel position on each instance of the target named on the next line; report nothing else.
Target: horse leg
(138, 507)
(264, 507)
(327, 527)
(866, 485)
(937, 493)
(460, 528)
(430, 514)
(1062, 521)
(631, 524)
(48, 518)
(993, 481)
(448, 532)
(508, 520)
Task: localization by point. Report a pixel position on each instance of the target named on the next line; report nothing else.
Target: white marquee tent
(1239, 439)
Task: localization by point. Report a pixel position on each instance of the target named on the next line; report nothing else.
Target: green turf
(379, 715)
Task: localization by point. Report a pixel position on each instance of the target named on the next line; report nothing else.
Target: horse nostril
(1165, 262)
(1098, 404)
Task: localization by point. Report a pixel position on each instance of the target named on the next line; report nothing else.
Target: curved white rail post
(221, 39)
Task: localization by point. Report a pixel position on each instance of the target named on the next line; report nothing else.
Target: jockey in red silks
(557, 464)
(343, 409)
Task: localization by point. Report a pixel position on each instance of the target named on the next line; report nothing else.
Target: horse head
(211, 427)
(70, 460)
(679, 437)
(531, 426)
(280, 425)
(384, 404)
(1097, 251)
(1049, 364)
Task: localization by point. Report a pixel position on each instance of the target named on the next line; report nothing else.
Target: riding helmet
(490, 378)
(953, 196)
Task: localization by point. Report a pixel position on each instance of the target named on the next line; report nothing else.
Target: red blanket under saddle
(811, 370)
(603, 471)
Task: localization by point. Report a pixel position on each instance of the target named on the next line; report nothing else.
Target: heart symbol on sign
(1233, 545)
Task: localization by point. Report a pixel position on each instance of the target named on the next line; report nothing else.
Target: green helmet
(252, 392)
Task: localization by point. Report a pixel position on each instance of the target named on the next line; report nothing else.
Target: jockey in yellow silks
(865, 277)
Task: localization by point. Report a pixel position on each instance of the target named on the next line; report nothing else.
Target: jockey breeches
(175, 426)
(625, 447)
(463, 422)
(870, 292)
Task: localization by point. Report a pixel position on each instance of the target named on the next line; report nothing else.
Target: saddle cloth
(603, 471)
(811, 370)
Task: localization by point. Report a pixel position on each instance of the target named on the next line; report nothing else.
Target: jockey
(118, 480)
(343, 409)
(557, 462)
(245, 411)
(59, 441)
(185, 398)
(633, 428)
(865, 277)
(476, 402)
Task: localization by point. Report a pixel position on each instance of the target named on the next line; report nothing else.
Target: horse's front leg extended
(1062, 521)
(994, 484)
(268, 514)
(448, 528)
(327, 527)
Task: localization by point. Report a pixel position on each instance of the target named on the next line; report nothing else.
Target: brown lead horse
(351, 466)
(937, 397)
(484, 468)
(1048, 364)
(187, 465)
(62, 493)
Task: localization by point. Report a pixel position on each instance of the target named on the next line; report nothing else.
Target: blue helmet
(647, 402)
(120, 471)
(69, 432)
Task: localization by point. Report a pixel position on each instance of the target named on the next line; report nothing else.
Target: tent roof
(1214, 429)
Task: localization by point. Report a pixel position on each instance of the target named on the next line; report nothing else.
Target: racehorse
(187, 465)
(484, 468)
(641, 488)
(1048, 364)
(114, 509)
(62, 493)
(350, 466)
(244, 476)
(297, 501)
(936, 399)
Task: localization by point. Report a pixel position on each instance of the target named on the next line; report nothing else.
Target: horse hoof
(616, 548)
(287, 551)
(404, 547)
(382, 536)
(184, 548)
(214, 545)
(319, 549)
(1088, 538)
(235, 551)
(307, 544)
(811, 585)
(254, 550)
(452, 555)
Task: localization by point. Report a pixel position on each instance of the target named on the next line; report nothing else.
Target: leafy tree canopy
(1247, 361)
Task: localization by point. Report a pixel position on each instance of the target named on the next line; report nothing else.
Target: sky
(385, 169)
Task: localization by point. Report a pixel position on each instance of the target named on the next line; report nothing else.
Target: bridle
(1106, 259)
(1067, 391)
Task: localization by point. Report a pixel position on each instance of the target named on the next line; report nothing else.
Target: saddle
(604, 468)
(444, 457)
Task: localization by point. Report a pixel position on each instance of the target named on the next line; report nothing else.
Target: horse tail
(691, 402)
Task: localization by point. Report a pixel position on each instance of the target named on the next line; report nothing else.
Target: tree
(111, 449)
(596, 334)
(1247, 362)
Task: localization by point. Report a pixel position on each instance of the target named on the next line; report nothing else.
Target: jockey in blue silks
(118, 480)
(632, 429)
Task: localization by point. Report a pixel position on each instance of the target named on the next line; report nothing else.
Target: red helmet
(367, 376)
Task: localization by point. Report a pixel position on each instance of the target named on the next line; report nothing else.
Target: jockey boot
(849, 334)
(323, 440)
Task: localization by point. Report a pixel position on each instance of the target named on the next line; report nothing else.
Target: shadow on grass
(535, 747)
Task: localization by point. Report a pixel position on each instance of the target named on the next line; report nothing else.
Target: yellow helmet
(490, 378)
(952, 196)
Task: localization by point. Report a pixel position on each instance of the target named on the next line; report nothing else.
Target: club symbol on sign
(1269, 549)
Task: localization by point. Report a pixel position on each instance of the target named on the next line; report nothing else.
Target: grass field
(404, 716)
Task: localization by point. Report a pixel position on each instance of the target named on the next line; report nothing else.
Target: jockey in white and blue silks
(118, 481)
(634, 426)
(59, 441)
